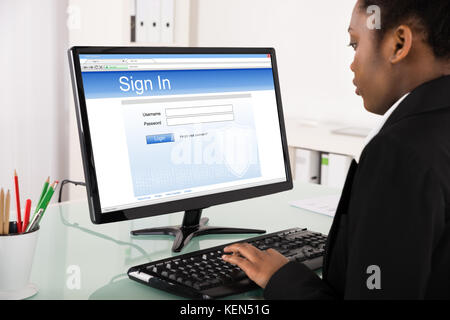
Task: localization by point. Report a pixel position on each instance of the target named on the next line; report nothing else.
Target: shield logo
(239, 149)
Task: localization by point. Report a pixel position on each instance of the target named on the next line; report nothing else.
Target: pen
(42, 207)
(26, 218)
(6, 217)
(47, 198)
(19, 218)
(39, 203)
(2, 209)
(13, 227)
(35, 220)
(44, 191)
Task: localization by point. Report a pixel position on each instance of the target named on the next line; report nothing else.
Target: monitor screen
(166, 127)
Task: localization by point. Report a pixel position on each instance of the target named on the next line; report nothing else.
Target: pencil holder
(16, 260)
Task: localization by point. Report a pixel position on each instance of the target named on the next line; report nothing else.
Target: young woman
(390, 237)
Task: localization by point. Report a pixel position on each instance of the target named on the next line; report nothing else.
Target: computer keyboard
(204, 274)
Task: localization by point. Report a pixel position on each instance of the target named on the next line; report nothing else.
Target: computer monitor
(164, 130)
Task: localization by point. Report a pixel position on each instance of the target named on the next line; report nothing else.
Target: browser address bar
(112, 67)
(212, 60)
(174, 60)
(203, 65)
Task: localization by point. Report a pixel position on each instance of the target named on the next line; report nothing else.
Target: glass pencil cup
(16, 261)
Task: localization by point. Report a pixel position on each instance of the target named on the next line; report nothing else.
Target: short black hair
(433, 17)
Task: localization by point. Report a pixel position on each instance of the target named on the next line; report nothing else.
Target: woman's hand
(258, 265)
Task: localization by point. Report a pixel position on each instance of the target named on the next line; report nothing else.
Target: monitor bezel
(199, 202)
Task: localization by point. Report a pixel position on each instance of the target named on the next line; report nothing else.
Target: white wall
(107, 23)
(33, 103)
(91, 23)
(311, 41)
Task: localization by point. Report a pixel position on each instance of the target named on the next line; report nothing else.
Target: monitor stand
(193, 225)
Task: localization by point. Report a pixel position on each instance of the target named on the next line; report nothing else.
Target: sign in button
(160, 138)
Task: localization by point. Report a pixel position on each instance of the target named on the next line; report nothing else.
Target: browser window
(173, 126)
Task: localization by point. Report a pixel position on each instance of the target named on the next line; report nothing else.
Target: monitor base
(193, 225)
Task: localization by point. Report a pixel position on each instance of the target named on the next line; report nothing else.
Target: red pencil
(19, 217)
(26, 218)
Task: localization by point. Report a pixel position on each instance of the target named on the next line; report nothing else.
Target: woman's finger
(246, 250)
(242, 263)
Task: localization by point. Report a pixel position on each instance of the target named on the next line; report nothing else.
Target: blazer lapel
(430, 96)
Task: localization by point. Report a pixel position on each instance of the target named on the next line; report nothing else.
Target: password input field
(203, 110)
(200, 119)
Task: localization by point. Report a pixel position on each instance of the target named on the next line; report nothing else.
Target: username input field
(200, 119)
(203, 110)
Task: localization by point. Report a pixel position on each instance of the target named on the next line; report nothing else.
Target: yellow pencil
(2, 209)
(6, 220)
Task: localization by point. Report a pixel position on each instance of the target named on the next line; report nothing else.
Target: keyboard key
(172, 276)
(152, 268)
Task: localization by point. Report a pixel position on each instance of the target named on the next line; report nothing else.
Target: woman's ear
(402, 38)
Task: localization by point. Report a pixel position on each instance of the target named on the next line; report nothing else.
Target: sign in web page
(171, 127)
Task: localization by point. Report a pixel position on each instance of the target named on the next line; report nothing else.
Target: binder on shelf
(154, 29)
(307, 166)
(141, 21)
(167, 13)
(324, 168)
(148, 21)
(338, 166)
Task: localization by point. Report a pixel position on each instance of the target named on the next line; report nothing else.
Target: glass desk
(76, 259)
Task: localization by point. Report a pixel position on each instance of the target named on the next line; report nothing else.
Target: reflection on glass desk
(76, 259)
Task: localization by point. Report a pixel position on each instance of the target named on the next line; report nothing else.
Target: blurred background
(38, 132)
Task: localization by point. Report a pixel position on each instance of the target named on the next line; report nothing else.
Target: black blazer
(393, 213)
